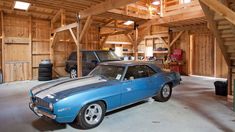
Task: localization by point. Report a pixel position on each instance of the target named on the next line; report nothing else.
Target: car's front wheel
(73, 73)
(164, 94)
(91, 115)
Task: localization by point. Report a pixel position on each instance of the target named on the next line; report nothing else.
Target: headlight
(51, 106)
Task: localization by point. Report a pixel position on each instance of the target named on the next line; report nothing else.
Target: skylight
(129, 22)
(21, 5)
(156, 2)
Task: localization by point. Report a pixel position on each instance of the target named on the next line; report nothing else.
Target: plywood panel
(17, 52)
(16, 26)
(17, 71)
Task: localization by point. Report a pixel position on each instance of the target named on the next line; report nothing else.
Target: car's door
(135, 85)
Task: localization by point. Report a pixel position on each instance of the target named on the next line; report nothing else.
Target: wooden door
(203, 55)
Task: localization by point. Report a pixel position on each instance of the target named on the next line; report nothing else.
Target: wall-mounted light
(129, 22)
(156, 2)
(21, 5)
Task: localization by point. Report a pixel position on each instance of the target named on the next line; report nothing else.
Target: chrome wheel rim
(166, 91)
(93, 114)
(73, 73)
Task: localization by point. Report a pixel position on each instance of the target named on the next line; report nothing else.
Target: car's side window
(135, 72)
(150, 71)
(88, 57)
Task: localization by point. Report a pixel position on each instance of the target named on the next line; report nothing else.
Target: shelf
(41, 54)
(127, 52)
(160, 52)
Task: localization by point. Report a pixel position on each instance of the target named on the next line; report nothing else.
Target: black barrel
(221, 88)
(45, 71)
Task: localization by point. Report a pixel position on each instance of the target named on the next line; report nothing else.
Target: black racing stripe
(61, 83)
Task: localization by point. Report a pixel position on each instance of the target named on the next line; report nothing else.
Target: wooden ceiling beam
(221, 9)
(57, 16)
(176, 18)
(105, 6)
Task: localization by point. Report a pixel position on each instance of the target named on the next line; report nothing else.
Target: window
(73, 56)
(141, 71)
(88, 57)
(107, 56)
(109, 72)
(185, 1)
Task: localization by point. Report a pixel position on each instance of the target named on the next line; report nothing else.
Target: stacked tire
(45, 72)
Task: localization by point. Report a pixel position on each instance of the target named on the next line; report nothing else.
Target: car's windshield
(107, 56)
(108, 72)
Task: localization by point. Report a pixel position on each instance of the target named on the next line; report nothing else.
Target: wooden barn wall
(27, 42)
(17, 48)
(40, 43)
(207, 59)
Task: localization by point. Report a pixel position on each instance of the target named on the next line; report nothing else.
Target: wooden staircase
(220, 15)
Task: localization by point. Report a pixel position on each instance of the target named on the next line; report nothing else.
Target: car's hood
(59, 87)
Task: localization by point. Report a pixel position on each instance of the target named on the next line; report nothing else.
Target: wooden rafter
(176, 38)
(73, 36)
(213, 26)
(164, 41)
(115, 33)
(105, 6)
(129, 38)
(57, 16)
(221, 9)
(66, 27)
(85, 28)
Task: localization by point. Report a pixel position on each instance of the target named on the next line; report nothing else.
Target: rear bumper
(41, 113)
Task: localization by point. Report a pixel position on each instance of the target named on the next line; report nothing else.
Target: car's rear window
(107, 56)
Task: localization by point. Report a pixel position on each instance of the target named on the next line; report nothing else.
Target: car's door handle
(128, 89)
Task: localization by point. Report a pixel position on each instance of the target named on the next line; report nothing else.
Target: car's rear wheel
(164, 94)
(91, 115)
(73, 73)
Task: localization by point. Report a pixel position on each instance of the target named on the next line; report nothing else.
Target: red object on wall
(177, 55)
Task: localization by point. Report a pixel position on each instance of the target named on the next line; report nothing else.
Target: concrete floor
(192, 108)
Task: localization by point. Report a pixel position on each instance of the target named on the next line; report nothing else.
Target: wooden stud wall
(40, 43)
(207, 59)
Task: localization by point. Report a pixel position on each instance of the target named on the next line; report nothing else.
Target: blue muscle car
(109, 86)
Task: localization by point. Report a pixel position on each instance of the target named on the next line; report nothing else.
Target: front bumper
(40, 113)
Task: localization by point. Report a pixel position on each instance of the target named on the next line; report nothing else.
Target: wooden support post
(136, 43)
(3, 46)
(63, 18)
(79, 46)
(30, 48)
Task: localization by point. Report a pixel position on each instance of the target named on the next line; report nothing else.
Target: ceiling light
(157, 2)
(128, 22)
(21, 5)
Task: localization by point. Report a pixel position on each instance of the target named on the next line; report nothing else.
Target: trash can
(45, 70)
(221, 88)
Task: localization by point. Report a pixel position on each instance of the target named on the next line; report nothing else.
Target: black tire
(83, 122)
(45, 65)
(44, 74)
(164, 94)
(73, 73)
(44, 70)
(44, 78)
